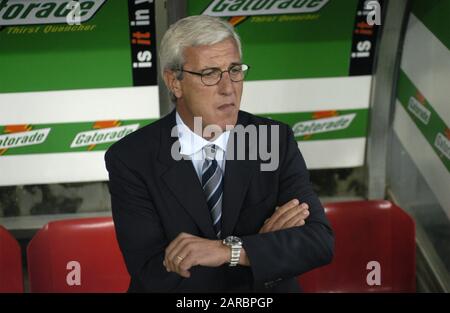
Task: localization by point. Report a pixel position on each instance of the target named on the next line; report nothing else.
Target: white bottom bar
(52, 168)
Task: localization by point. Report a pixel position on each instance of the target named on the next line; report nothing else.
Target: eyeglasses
(212, 76)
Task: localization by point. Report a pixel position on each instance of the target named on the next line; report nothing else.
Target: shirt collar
(191, 143)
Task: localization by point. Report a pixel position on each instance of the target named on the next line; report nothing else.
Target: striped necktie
(212, 183)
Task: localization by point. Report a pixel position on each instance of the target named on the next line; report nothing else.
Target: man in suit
(193, 215)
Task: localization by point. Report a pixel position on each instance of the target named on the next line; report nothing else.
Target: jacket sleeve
(138, 228)
(290, 252)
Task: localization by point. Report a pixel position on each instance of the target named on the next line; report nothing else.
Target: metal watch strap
(235, 255)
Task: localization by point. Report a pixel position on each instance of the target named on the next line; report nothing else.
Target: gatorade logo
(442, 143)
(262, 7)
(20, 136)
(323, 125)
(19, 12)
(418, 109)
(101, 135)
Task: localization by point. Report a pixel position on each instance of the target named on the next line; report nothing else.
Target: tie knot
(210, 152)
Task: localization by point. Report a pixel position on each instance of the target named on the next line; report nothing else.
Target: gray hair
(189, 32)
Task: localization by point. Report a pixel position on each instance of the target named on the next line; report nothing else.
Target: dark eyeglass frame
(202, 74)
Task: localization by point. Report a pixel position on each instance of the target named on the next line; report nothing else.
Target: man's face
(218, 104)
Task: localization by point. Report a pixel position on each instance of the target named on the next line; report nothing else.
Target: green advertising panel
(38, 57)
(75, 77)
(293, 39)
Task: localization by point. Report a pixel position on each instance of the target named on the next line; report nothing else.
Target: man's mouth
(226, 106)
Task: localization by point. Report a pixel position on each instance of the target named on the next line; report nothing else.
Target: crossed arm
(187, 250)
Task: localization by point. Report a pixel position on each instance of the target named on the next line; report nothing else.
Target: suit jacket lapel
(238, 174)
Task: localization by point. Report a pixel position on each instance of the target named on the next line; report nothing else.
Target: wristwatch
(235, 243)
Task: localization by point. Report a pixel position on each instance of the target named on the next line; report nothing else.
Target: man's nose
(225, 84)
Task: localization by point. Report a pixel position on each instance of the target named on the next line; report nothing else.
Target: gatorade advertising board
(422, 115)
(75, 77)
(310, 66)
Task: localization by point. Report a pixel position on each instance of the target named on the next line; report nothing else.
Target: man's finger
(297, 221)
(168, 257)
(287, 216)
(172, 256)
(292, 209)
(277, 220)
(185, 265)
(183, 257)
(302, 214)
(285, 207)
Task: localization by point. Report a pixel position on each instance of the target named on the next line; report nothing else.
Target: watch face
(232, 240)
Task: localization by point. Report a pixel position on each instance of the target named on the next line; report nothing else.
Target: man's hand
(290, 214)
(187, 251)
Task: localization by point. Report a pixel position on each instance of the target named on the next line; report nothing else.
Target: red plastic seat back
(80, 255)
(11, 276)
(367, 231)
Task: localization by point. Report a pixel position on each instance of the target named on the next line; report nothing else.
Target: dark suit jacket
(154, 198)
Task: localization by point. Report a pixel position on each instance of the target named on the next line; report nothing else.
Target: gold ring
(180, 258)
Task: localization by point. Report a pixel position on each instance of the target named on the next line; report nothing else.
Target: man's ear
(172, 82)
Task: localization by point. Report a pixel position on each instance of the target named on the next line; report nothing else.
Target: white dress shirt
(191, 145)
